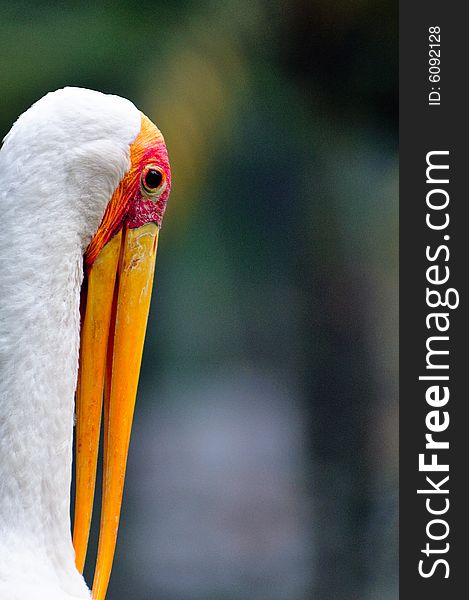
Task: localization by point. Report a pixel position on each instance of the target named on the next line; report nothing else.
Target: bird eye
(153, 180)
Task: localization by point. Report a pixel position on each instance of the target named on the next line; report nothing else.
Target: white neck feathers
(59, 166)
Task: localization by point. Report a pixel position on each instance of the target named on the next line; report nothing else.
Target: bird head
(142, 193)
(119, 268)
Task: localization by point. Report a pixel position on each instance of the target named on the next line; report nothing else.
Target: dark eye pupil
(153, 179)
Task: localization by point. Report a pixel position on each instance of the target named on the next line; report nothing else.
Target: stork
(84, 181)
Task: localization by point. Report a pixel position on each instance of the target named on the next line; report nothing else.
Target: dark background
(263, 461)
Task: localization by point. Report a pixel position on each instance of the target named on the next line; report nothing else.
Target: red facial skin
(143, 208)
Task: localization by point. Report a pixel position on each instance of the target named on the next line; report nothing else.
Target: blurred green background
(263, 462)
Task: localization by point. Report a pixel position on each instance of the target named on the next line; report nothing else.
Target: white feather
(59, 166)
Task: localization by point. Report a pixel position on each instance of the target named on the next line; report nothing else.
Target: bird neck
(39, 310)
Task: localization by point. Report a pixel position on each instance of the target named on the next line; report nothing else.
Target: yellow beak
(113, 331)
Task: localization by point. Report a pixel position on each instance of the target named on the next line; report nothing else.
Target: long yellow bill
(118, 299)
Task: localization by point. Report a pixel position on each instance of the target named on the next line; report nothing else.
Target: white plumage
(59, 166)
